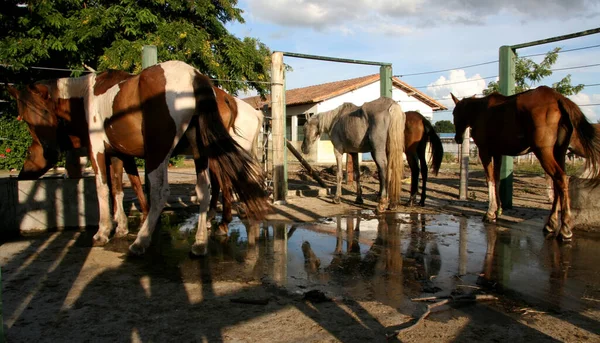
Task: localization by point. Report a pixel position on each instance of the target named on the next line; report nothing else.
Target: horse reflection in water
(381, 270)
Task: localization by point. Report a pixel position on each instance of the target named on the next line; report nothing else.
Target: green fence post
(385, 80)
(149, 58)
(507, 87)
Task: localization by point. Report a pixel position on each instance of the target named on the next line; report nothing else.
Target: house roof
(317, 93)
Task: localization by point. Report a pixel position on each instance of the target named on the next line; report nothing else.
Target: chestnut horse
(418, 131)
(143, 116)
(541, 121)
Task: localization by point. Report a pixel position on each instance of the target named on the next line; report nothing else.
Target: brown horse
(418, 131)
(143, 116)
(541, 121)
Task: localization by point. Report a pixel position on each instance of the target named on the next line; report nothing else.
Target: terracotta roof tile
(318, 93)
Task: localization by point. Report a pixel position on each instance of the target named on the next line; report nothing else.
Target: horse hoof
(199, 249)
(565, 237)
(336, 200)
(548, 229)
(211, 215)
(121, 233)
(422, 204)
(100, 240)
(221, 230)
(489, 219)
(137, 249)
(359, 201)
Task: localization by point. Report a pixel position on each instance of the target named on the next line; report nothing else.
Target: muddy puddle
(387, 259)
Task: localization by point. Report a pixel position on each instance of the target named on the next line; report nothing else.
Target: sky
(443, 37)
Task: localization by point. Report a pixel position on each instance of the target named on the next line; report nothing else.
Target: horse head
(312, 133)
(460, 116)
(37, 109)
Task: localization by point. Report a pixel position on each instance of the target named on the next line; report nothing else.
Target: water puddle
(392, 257)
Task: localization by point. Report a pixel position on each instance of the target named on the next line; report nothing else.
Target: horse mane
(327, 118)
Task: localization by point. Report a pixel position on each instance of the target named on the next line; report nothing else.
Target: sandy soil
(57, 287)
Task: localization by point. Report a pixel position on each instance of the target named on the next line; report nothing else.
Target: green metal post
(149, 58)
(507, 87)
(385, 79)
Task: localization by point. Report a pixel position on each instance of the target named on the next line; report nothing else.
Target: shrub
(14, 141)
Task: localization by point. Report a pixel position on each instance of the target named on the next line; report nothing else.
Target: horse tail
(436, 147)
(233, 167)
(585, 133)
(395, 153)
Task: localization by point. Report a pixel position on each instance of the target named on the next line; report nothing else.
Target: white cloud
(458, 84)
(583, 99)
(365, 14)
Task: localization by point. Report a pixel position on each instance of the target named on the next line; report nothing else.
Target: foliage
(110, 34)
(528, 74)
(14, 141)
(448, 158)
(444, 126)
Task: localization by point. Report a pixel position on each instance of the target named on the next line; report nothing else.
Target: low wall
(585, 204)
(47, 203)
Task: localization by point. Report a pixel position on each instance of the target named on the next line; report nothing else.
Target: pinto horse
(377, 127)
(143, 116)
(541, 121)
(417, 133)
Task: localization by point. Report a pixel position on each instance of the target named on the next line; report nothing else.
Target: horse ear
(307, 115)
(454, 98)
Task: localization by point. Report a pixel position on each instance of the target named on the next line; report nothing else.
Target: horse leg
(381, 162)
(159, 193)
(554, 164)
(136, 183)
(116, 166)
(223, 227)
(423, 163)
(414, 178)
(200, 246)
(338, 191)
(490, 215)
(359, 199)
(497, 166)
(215, 188)
(99, 164)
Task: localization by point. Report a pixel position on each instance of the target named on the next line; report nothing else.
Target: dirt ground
(58, 287)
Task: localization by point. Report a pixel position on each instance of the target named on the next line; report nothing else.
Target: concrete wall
(47, 203)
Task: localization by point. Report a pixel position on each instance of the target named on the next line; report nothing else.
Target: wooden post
(465, 147)
(149, 58)
(278, 125)
(305, 164)
(507, 87)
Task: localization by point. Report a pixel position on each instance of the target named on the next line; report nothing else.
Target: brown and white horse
(144, 116)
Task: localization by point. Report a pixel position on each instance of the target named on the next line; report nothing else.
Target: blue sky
(426, 35)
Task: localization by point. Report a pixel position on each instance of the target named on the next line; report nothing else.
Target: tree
(444, 126)
(110, 34)
(528, 74)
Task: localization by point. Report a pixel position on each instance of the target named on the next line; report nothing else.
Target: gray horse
(377, 127)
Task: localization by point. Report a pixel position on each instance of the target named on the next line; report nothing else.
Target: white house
(327, 96)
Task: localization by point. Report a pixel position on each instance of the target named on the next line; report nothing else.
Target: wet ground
(343, 278)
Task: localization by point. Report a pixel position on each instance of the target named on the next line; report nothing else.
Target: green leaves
(528, 74)
(110, 34)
